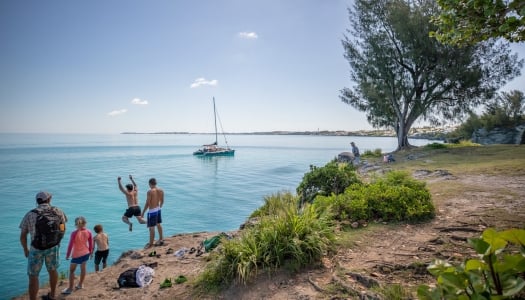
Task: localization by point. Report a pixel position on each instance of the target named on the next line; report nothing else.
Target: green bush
(394, 197)
(333, 178)
(436, 146)
(376, 153)
(342, 207)
(290, 236)
(496, 274)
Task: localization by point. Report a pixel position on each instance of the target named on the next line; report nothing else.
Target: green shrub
(376, 153)
(394, 197)
(290, 236)
(344, 206)
(333, 178)
(496, 274)
(436, 146)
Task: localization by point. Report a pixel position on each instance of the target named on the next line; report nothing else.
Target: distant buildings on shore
(431, 133)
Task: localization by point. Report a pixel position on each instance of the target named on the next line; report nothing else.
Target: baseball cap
(42, 196)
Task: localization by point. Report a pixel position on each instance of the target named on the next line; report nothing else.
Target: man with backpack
(46, 226)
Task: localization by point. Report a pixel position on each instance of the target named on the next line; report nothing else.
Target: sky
(154, 66)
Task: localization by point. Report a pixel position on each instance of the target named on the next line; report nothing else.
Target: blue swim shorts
(80, 259)
(154, 218)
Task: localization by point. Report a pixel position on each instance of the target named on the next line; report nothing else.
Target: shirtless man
(132, 197)
(154, 202)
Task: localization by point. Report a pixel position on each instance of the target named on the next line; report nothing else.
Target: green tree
(401, 74)
(506, 110)
(513, 105)
(463, 22)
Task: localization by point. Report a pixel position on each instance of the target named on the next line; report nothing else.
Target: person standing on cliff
(355, 152)
(154, 202)
(80, 248)
(37, 257)
(132, 197)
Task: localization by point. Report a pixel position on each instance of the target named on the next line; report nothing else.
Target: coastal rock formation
(500, 135)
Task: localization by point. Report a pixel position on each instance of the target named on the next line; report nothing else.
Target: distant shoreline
(417, 133)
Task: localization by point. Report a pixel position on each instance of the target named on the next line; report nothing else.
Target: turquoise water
(201, 194)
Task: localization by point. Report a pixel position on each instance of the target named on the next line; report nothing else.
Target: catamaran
(214, 149)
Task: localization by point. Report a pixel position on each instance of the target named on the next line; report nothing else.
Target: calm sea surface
(214, 194)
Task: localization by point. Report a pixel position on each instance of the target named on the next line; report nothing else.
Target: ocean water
(201, 194)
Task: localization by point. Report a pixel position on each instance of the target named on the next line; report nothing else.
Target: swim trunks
(101, 256)
(132, 211)
(154, 217)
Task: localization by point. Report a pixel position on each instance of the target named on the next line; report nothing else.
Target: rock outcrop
(500, 135)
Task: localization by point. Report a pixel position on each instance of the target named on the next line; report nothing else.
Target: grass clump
(375, 153)
(275, 204)
(285, 236)
(394, 292)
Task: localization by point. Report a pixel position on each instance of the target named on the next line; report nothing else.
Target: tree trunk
(402, 136)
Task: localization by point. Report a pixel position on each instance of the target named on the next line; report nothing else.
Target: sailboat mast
(215, 116)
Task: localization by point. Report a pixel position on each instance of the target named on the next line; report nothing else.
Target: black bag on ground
(128, 278)
(49, 229)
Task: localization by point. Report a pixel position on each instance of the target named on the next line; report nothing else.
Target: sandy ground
(383, 255)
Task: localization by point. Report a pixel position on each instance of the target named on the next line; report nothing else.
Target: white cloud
(117, 112)
(139, 102)
(248, 35)
(202, 81)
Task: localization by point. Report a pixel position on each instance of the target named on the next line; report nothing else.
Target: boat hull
(228, 152)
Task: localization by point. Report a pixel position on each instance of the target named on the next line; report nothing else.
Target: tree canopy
(401, 74)
(463, 22)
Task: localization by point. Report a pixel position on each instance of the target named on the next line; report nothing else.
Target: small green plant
(369, 153)
(496, 274)
(394, 292)
(63, 275)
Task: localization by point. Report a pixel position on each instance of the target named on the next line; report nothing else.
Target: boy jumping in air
(132, 197)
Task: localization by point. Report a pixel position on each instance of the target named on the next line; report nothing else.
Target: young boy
(132, 197)
(102, 244)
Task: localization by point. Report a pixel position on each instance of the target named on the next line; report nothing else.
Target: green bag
(213, 242)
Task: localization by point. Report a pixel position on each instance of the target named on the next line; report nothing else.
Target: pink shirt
(80, 243)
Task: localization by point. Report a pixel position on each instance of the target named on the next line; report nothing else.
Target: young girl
(102, 243)
(80, 247)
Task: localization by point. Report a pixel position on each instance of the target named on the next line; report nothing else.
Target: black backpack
(49, 228)
(128, 278)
